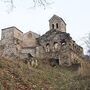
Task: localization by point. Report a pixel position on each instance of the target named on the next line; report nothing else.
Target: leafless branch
(42, 3)
(87, 42)
(9, 4)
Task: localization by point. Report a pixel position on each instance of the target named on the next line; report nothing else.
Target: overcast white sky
(76, 14)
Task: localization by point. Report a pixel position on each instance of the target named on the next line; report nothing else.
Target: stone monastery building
(55, 44)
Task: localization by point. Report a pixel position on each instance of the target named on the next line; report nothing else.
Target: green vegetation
(16, 75)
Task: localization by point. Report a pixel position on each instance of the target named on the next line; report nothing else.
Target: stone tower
(11, 33)
(57, 23)
(11, 40)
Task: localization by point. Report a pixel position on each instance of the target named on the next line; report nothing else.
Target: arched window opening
(69, 44)
(16, 41)
(52, 26)
(63, 42)
(55, 45)
(29, 56)
(47, 47)
(56, 25)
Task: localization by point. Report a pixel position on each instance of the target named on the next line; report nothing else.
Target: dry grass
(16, 75)
(84, 70)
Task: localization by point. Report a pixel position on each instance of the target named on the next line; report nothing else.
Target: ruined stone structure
(56, 44)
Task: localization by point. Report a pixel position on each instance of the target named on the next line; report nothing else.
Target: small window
(52, 26)
(29, 55)
(69, 44)
(55, 45)
(47, 47)
(17, 41)
(56, 25)
(63, 42)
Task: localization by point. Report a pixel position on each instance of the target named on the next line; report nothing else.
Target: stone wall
(29, 39)
(18, 34)
(32, 51)
(59, 45)
(7, 36)
(55, 45)
(15, 42)
(11, 41)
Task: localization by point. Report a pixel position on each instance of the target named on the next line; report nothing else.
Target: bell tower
(57, 23)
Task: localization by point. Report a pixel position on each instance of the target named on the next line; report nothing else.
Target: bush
(1, 65)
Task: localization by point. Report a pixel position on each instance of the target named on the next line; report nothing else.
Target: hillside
(16, 75)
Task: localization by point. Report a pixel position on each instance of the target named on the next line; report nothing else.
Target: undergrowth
(16, 75)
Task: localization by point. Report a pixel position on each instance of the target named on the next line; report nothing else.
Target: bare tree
(40, 2)
(9, 4)
(87, 43)
(36, 3)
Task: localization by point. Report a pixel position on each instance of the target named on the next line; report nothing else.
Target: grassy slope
(16, 75)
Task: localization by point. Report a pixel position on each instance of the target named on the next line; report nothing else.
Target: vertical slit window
(52, 26)
(47, 47)
(56, 25)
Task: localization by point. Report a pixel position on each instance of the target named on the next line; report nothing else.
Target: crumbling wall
(55, 46)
